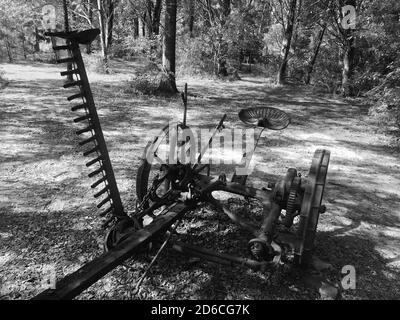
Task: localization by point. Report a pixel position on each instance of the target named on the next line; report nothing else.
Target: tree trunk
(23, 47)
(56, 52)
(108, 23)
(9, 52)
(148, 15)
(66, 29)
(226, 9)
(65, 9)
(221, 67)
(36, 47)
(189, 17)
(102, 36)
(311, 63)
(168, 54)
(142, 26)
(348, 57)
(287, 42)
(223, 46)
(265, 18)
(191, 20)
(136, 27)
(90, 16)
(157, 17)
(348, 68)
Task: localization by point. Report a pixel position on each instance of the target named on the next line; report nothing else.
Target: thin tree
(315, 50)
(89, 9)
(348, 55)
(287, 39)
(216, 19)
(103, 38)
(345, 36)
(189, 17)
(156, 17)
(66, 29)
(223, 46)
(109, 21)
(168, 83)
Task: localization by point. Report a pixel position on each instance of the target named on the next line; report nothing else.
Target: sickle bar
(93, 135)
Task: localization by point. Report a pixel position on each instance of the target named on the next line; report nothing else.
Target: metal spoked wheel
(155, 163)
(311, 207)
(160, 155)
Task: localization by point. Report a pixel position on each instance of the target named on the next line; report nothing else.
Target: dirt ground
(48, 214)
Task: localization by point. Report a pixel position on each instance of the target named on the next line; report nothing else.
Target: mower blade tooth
(87, 129)
(79, 106)
(102, 203)
(68, 72)
(92, 138)
(85, 117)
(92, 162)
(95, 172)
(75, 96)
(66, 47)
(72, 84)
(94, 185)
(86, 153)
(103, 213)
(98, 194)
(66, 60)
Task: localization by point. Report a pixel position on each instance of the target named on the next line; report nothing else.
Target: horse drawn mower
(167, 189)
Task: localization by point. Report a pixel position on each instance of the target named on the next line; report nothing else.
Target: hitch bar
(75, 283)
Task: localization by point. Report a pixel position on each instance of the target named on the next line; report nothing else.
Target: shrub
(131, 47)
(194, 57)
(327, 73)
(94, 62)
(44, 57)
(365, 81)
(386, 98)
(145, 84)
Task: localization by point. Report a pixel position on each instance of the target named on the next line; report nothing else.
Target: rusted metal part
(203, 183)
(72, 285)
(265, 117)
(235, 218)
(223, 258)
(293, 202)
(184, 100)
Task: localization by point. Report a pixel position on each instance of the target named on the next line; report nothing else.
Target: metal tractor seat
(265, 117)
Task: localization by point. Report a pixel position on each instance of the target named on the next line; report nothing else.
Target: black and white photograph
(205, 153)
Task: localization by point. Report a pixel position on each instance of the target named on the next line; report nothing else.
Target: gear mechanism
(292, 205)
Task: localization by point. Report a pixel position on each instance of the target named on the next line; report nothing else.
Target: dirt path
(47, 212)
